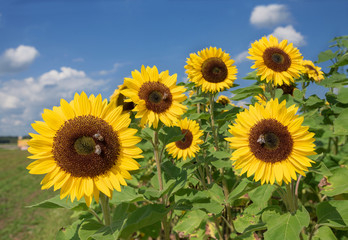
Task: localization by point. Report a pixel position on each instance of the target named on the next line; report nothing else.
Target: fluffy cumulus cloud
(290, 34)
(270, 15)
(17, 59)
(23, 101)
(241, 57)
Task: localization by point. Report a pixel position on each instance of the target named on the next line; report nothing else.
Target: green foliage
(337, 182)
(333, 214)
(286, 226)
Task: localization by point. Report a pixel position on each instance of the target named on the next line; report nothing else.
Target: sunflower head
(276, 62)
(156, 95)
(84, 147)
(223, 100)
(212, 69)
(287, 89)
(313, 72)
(118, 99)
(188, 145)
(271, 143)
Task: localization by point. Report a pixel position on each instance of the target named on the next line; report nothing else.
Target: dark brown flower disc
(186, 141)
(311, 68)
(287, 89)
(157, 96)
(86, 146)
(276, 59)
(127, 106)
(214, 70)
(270, 141)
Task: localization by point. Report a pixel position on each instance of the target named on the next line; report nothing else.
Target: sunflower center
(157, 96)
(224, 101)
(276, 59)
(186, 141)
(127, 106)
(214, 70)
(86, 146)
(270, 141)
(311, 68)
(287, 89)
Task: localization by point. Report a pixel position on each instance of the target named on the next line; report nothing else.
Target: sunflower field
(168, 160)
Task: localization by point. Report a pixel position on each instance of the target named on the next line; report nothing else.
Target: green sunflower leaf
(324, 233)
(326, 55)
(333, 214)
(128, 195)
(262, 193)
(69, 233)
(246, 92)
(337, 182)
(88, 228)
(190, 221)
(340, 123)
(286, 226)
(144, 216)
(342, 60)
(342, 95)
(56, 202)
(243, 187)
(146, 133)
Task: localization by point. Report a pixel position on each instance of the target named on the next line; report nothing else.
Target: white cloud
(78, 60)
(113, 70)
(241, 57)
(23, 101)
(290, 34)
(17, 59)
(270, 15)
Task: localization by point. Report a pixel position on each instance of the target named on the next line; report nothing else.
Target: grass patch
(19, 189)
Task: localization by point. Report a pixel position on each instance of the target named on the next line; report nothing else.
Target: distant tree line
(11, 139)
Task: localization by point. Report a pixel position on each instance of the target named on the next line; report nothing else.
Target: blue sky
(51, 49)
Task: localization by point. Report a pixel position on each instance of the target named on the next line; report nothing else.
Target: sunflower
(271, 143)
(312, 71)
(188, 146)
(277, 62)
(84, 147)
(157, 97)
(212, 69)
(223, 100)
(287, 89)
(118, 99)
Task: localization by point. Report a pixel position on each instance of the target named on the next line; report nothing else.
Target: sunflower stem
(104, 203)
(290, 198)
(216, 140)
(165, 224)
(201, 177)
(270, 88)
(158, 160)
(95, 215)
(213, 129)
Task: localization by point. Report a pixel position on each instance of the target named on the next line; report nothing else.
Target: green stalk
(216, 140)
(211, 103)
(290, 198)
(95, 215)
(270, 88)
(104, 203)
(165, 224)
(158, 160)
(201, 177)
